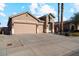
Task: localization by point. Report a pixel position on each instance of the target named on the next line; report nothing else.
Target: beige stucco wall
(26, 24)
(24, 18)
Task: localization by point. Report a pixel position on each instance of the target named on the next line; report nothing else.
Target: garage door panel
(40, 29)
(24, 28)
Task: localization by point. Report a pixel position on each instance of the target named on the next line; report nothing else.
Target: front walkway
(38, 45)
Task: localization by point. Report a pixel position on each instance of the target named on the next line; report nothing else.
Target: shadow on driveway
(73, 53)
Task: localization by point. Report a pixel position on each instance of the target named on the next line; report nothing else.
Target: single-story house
(26, 23)
(70, 26)
(3, 30)
(67, 26)
(0, 28)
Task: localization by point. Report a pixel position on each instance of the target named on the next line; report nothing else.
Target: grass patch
(75, 33)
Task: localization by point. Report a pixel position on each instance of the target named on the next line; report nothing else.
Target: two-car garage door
(26, 29)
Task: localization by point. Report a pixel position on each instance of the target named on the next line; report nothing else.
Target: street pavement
(39, 45)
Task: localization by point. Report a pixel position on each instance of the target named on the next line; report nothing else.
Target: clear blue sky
(38, 9)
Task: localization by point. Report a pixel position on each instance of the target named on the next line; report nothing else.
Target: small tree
(75, 19)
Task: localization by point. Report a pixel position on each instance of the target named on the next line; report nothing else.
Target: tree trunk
(58, 16)
(62, 11)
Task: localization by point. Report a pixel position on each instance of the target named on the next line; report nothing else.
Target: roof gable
(25, 13)
(43, 18)
(51, 15)
(13, 16)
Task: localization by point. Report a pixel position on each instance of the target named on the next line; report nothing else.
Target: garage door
(24, 28)
(40, 29)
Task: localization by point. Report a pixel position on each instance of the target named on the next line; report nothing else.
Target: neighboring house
(74, 27)
(3, 30)
(0, 30)
(70, 26)
(67, 26)
(26, 23)
(77, 27)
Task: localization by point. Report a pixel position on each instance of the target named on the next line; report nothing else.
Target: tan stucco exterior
(26, 23)
(25, 18)
(48, 24)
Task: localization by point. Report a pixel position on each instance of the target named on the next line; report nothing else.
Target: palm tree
(62, 12)
(58, 16)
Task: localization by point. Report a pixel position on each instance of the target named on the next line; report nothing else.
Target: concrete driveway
(38, 45)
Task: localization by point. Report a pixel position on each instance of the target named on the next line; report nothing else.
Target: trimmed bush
(67, 33)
